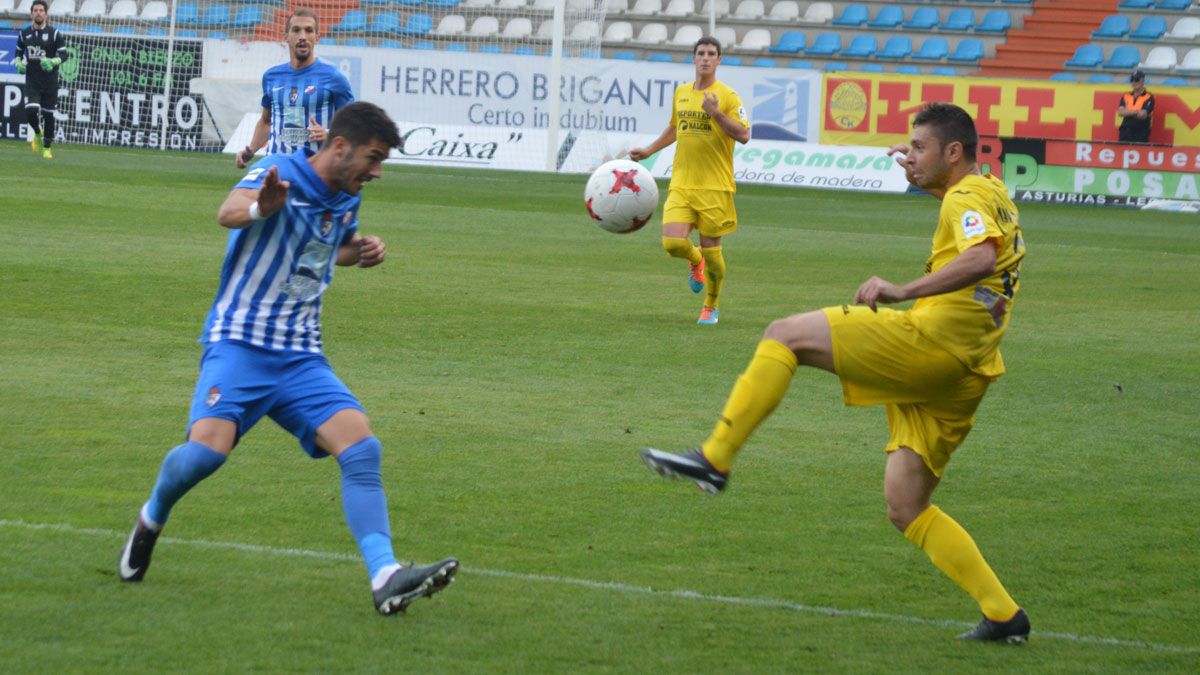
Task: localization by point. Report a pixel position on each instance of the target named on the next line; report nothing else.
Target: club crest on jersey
(312, 88)
(214, 395)
(347, 217)
(972, 224)
(295, 94)
(326, 223)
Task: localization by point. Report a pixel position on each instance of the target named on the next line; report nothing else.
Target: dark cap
(1137, 76)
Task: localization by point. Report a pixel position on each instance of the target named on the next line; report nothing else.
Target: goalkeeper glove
(21, 66)
(51, 64)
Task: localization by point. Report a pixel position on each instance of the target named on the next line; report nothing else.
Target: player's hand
(50, 64)
(371, 251)
(638, 154)
(316, 132)
(272, 194)
(876, 291)
(20, 66)
(711, 104)
(900, 152)
(244, 157)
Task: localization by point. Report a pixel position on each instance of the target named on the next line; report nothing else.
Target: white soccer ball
(621, 196)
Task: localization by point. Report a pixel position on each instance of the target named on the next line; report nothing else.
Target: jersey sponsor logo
(214, 395)
(305, 283)
(255, 174)
(972, 224)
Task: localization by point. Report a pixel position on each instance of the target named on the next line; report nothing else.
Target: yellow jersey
(703, 151)
(969, 322)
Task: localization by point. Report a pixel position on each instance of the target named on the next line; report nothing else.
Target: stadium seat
(585, 31)
(155, 10)
(1160, 59)
(581, 6)
(763, 62)
(353, 21)
(372, 3)
(479, 4)
(1114, 26)
(392, 44)
(1017, 2)
(755, 40)
(652, 34)
(786, 10)
(57, 8)
(91, 9)
(484, 26)
(424, 45)
(969, 50)
(826, 44)
(746, 9)
(888, 16)
(944, 70)
(1136, 4)
(443, 4)
(454, 47)
(854, 14)
(686, 35)
(995, 21)
(719, 7)
(801, 63)
(217, 14)
(624, 55)
(835, 66)
(187, 33)
(790, 42)
(545, 31)
(618, 31)
(908, 69)
(349, 42)
(1063, 77)
(726, 36)
(123, 10)
(385, 23)
(155, 31)
(451, 24)
(871, 68)
(1174, 82)
(490, 49)
(1100, 78)
(924, 18)
(591, 54)
(186, 13)
(129, 30)
(502, 4)
(660, 58)
(932, 49)
(1086, 56)
(1150, 29)
(417, 24)
(1124, 57)
(93, 28)
(1190, 63)
(647, 7)
(523, 50)
(818, 12)
(518, 28)
(861, 47)
(1187, 28)
(677, 8)
(1175, 5)
(897, 47)
(962, 18)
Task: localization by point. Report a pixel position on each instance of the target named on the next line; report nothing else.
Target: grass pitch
(513, 359)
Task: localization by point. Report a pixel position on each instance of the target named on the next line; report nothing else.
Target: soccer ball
(621, 196)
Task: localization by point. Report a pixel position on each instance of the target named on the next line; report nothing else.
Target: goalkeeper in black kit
(41, 49)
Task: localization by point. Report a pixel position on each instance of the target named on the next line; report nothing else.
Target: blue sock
(182, 468)
(365, 504)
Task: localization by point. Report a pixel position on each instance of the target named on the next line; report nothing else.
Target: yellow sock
(759, 389)
(714, 275)
(682, 247)
(954, 552)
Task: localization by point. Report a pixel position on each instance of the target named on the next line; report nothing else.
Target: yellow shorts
(930, 395)
(710, 211)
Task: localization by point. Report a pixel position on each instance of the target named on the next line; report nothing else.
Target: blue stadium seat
(217, 35)
(763, 62)
(356, 42)
(870, 68)
(1018, 2)
(925, 18)
(387, 23)
(1063, 77)
(932, 49)
(835, 65)
(153, 31)
(353, 21)
(897, 47)
(188, 33)
(1125, 57)
(92, 28)
(861, 47)
(410, 3)
(889, 16)
(826, 44)
(1100, 78)
(426, 45)
(1150, 28)
(375, 3)
(216, 15)
(1086, 56)
(908, 69)
(791, 42)
(1113, 26)
(1136, 4)
(944, 70)
(969, 50)
(443, 4)
(730, 60)
(624, 55)
(962, 18)
(417, 24)
(392, 44)
(454, 47)
(493, 49)
(523, 51)
(126, 30)
(1177, 5)
(597, 54)
(660, 57)
(1174, 82)
(247, 16)
(801, 63)
(854, 14)
(187, 13)
(995, 21)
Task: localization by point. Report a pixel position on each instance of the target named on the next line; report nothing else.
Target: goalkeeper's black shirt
(35, 44)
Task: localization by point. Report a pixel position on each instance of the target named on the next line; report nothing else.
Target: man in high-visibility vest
(1137, 109)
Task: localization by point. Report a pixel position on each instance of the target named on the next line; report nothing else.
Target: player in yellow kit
(929, 365)
(706, 118)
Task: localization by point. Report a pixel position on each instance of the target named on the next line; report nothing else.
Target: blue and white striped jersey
(294, 95)
(277, 270)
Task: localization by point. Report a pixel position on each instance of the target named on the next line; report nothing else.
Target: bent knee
(799, 332)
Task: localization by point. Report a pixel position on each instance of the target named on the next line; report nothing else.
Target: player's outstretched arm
(666, 138)
(262, 131)
(971, 266)
(362, 251)
(244, 207)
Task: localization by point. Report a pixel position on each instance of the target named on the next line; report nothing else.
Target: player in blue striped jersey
(293, 218)
(299, 97)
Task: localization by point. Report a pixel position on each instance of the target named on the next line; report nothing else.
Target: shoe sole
(441, 578)
(667, 472)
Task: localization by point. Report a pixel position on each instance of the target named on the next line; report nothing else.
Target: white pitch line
(767, 603)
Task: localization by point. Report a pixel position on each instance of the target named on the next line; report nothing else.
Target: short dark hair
(35, 3)
(707, 40)
(362, 122)
(950, 123)
(303, 11)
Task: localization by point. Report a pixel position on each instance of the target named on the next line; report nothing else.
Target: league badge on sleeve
(972, 224)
